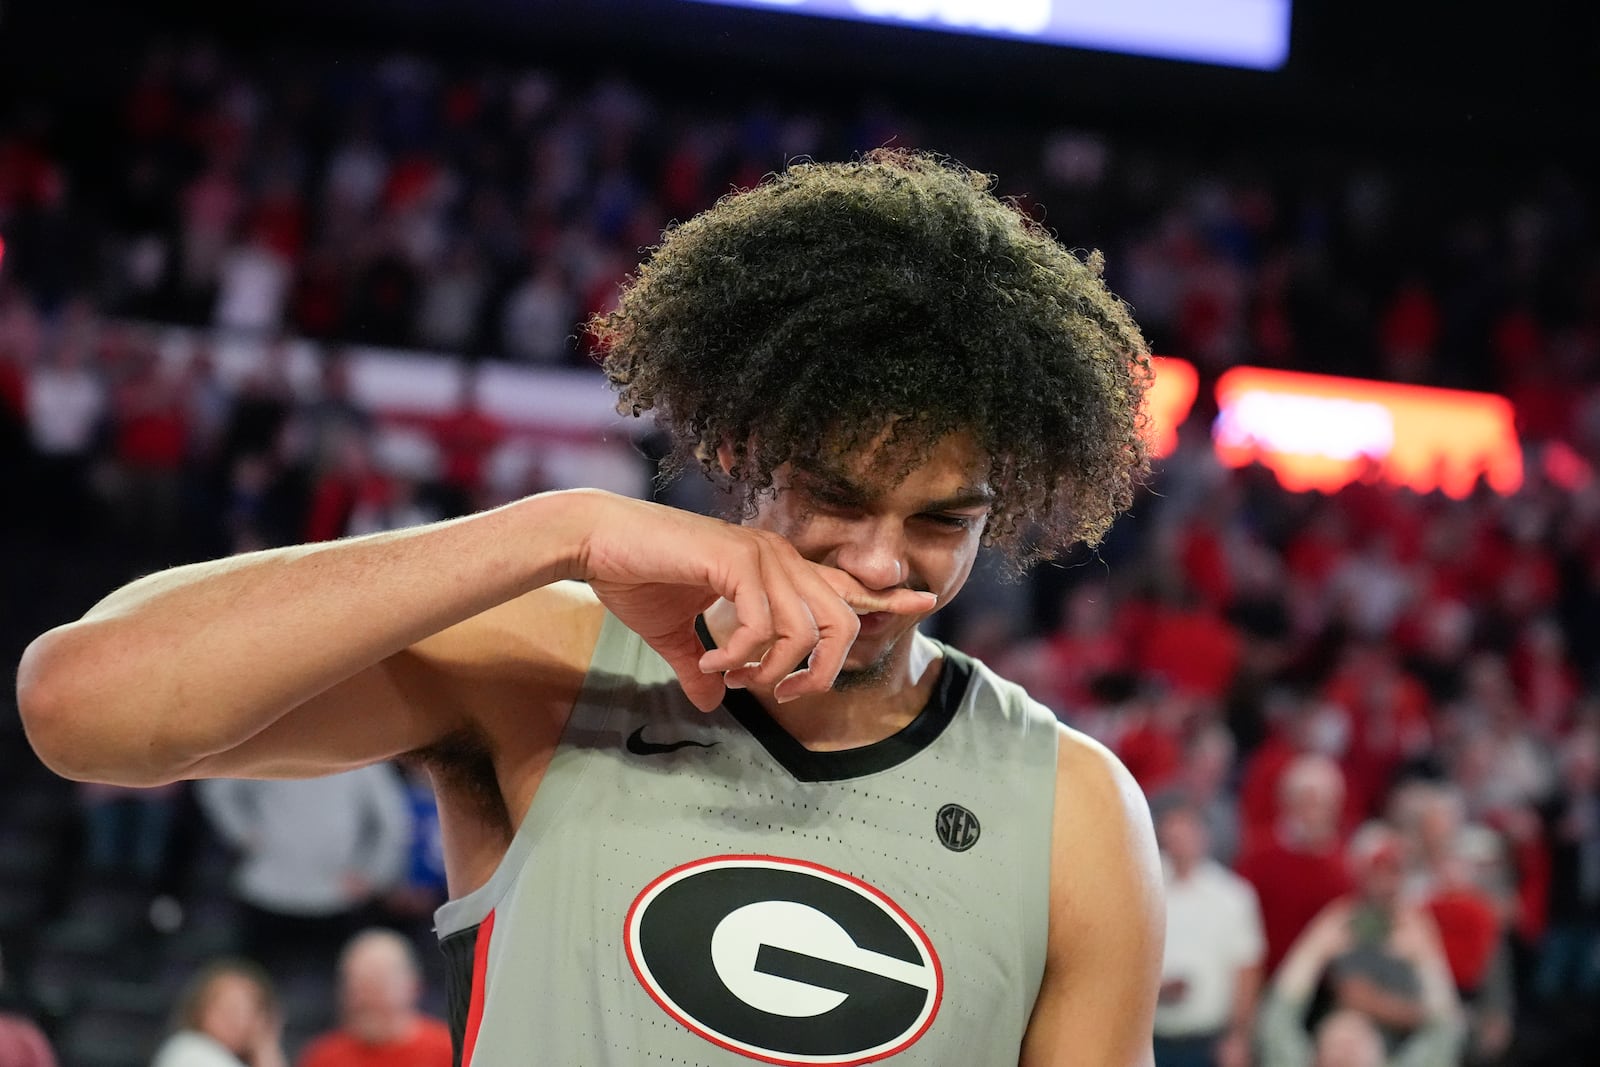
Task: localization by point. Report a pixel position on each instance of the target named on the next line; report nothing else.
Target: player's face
(922, 534)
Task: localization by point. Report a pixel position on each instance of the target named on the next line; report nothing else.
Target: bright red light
(1168, 400)
(1321, 432)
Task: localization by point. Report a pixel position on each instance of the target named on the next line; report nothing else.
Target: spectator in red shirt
(1148, 738)
(1546, 682)
(1318, 545)
(1189, 647)
(1473, 938)
(467, 437)
(1409, 332)
(1299, 869)
(151, 429)
(1204, 554)
(1299, 725)
(1081, 650)
(380, 1025)
(1388, 712)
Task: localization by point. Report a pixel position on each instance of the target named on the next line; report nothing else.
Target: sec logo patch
(784, 961)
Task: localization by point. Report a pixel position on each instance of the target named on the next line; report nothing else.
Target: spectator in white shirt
(1211, 970)
(66, 408)
(66, 403)
(314, 855)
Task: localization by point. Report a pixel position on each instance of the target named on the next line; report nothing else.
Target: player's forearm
(194, 660)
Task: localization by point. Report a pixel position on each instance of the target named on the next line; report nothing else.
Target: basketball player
(707, 794)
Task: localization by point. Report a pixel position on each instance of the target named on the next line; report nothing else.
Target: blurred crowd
(480, 209)
(1368, 722)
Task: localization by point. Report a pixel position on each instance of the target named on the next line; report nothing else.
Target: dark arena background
(288, 272)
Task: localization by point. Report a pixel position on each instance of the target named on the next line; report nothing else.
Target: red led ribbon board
(1319, 432)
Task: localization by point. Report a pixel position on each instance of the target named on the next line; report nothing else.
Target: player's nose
(875, 556)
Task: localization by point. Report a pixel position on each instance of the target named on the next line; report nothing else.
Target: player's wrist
(559, 525)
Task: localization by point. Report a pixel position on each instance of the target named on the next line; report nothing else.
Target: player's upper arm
(1097, 1002)
(527, 655)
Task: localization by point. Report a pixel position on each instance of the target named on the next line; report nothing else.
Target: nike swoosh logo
(640, 747)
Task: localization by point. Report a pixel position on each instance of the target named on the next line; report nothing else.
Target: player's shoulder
(1084, 767)
(1089, 776)
(987, 689)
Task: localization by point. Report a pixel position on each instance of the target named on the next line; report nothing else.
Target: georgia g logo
(784, 961)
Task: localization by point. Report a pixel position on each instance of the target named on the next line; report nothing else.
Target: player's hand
(656, 568)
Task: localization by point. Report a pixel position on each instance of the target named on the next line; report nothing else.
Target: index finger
(864, 601)
(835, 637)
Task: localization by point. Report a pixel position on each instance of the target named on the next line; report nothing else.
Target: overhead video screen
(1235, 33)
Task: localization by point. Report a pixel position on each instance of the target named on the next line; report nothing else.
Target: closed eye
(953, 522)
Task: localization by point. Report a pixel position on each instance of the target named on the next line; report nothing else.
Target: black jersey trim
(811, 766)
(459, 949)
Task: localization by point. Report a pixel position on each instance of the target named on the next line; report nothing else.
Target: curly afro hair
(835, 301)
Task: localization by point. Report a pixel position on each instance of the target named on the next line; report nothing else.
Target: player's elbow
(77, 727)
(44, 700)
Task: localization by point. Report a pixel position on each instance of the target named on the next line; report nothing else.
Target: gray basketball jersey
(699, 889)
